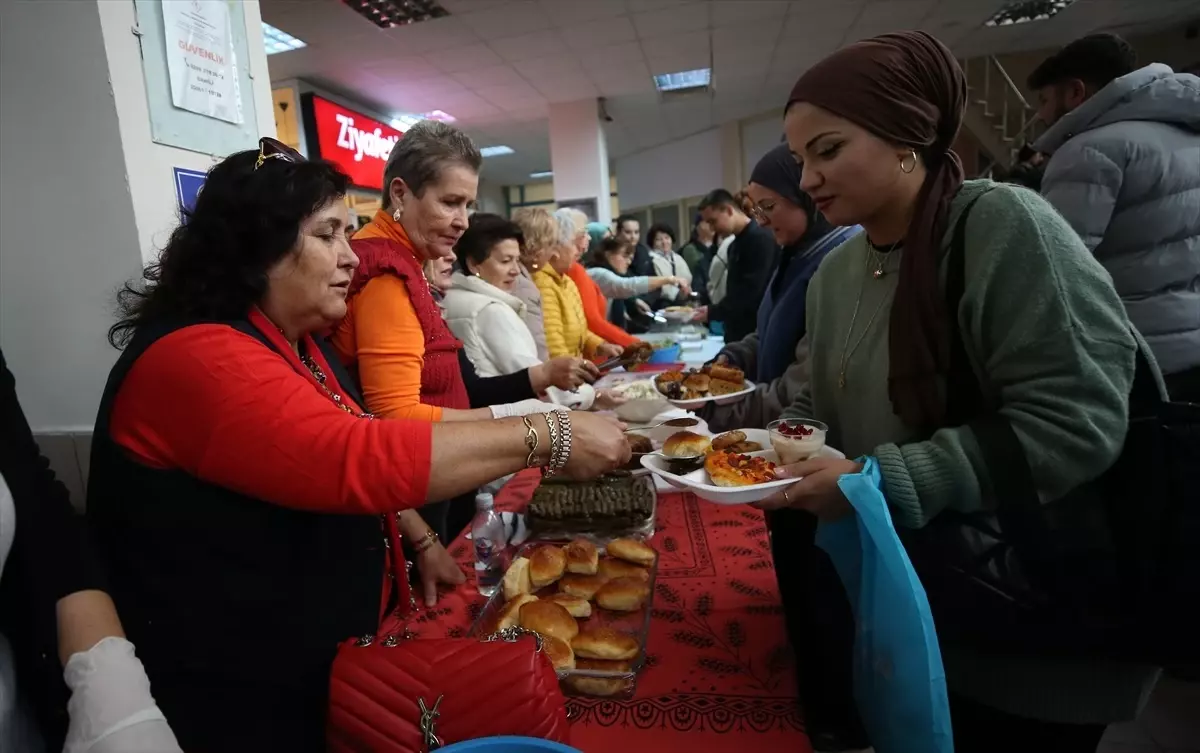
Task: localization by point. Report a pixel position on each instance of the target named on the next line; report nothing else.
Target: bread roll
(604, 643)
(574, 605)
(559, 652)
(546, 565)
(510, 614)
(548, 618)
(718, 387)
(583, 586)
(631, 550)
(728, 439)
(603, 665)
(623, 594)
(743, 447)
(697, 382)
(614, 568)
(685, 444)
(726, 373)
(582, 557)
(602, 687)
(516, 579)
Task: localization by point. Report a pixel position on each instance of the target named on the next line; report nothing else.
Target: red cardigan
(211, 401)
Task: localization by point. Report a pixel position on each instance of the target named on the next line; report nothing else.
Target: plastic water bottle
(487, 533)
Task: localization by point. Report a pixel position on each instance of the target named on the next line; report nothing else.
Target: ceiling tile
(534, 45)
(639, 6)
(466, 6)
(464, 58)
(501, 95)
(670, 22)
(687, 61)
(431, 85)
(566, 89)
(511, 19)
(896, 14)
(694, 45)
(496, 75)
(548, 66)
(430, 36)
(568, 12)
(403, 69)
(314, 19)
(606, 57)
(598, 34)
(753, 36)
(725, 13)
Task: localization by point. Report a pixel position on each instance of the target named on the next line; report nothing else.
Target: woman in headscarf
(773, 355)
(1039, 328)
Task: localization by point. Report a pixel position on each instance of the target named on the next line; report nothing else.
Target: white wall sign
(200, 58)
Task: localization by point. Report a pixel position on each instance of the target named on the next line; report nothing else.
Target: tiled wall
(69, 455)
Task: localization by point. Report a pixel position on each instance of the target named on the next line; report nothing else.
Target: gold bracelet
(531, 442)
(425, 542)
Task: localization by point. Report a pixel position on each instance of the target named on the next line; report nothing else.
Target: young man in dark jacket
(753, 256)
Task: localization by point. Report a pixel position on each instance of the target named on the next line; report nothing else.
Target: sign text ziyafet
(357, 144)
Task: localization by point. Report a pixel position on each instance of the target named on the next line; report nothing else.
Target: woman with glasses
(245, 499)
(774, 355)
(914, 371)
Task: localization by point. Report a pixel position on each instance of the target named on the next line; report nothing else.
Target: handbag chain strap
(429, 715)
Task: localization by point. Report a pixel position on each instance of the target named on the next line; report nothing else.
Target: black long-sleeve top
(753, 256)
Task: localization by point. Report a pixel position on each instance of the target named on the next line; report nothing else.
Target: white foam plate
(698, 482)
(732, 397)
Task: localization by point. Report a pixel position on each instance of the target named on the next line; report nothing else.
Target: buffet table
(719, 675)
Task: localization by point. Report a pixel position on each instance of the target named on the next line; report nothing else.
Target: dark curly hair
(657, 229)
(214, 266)
(484, 233)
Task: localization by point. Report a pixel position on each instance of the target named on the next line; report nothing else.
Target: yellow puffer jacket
(567, 333)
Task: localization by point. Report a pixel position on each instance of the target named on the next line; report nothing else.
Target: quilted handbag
(413, 696)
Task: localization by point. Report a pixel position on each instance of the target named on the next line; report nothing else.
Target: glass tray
(581, 682)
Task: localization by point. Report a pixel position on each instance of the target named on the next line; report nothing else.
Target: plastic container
(509, 745)
(669, 354)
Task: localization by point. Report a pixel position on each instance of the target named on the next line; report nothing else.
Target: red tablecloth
(719, 674)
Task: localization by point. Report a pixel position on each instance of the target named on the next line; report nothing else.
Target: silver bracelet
(552, 427)
(562, 452)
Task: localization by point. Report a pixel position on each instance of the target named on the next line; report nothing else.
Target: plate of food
(590, 600)
(715, 470)
(713, 383)
(643, 403)
(679, 313)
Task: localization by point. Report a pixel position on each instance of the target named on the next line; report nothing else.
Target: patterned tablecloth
(719, 674)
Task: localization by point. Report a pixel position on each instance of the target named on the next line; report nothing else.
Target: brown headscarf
(908, 89)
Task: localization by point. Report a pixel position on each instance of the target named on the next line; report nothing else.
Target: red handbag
(395, 695)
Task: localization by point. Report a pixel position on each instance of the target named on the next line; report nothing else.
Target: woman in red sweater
(243, 497)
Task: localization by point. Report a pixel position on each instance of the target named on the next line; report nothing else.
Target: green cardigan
(1049, 337)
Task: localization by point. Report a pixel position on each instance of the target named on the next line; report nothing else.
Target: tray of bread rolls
(615, 505)
(589, 600)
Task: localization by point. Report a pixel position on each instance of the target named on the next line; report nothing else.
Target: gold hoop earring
(911, 153)
(396, 214)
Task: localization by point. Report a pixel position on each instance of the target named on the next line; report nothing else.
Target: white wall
(149, 167)
(688, 167)
(85, 196)
(68, 237)
(759, 136)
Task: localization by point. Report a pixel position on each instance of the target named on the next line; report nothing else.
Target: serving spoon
(672, 422)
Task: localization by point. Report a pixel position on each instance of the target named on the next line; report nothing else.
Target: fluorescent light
(495, 151)
(279, 41)
(444, 117)
(1024, 11)
(545, 174)
(669, 82)
(403, 122)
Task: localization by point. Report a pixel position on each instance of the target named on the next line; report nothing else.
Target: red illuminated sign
(355, 143)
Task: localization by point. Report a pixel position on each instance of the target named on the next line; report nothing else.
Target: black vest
(236, 606)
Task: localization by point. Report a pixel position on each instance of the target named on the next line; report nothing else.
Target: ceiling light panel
(279, 41)
(697, 79)
(389, 13)
(1024, 11)
(495, 151)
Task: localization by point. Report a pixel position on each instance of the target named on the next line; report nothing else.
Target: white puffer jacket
(489, 322)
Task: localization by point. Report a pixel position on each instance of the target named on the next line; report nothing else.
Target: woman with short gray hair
(393, 334)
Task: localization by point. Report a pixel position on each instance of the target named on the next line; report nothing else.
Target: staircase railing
(1004, 106)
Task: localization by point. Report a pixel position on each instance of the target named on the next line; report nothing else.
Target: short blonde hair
(539, 228)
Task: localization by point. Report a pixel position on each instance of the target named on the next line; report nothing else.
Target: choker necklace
(878, 256)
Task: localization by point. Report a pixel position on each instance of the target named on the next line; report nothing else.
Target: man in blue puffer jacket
(1124, 170)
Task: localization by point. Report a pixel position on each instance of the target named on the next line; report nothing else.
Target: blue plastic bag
(899, 682)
